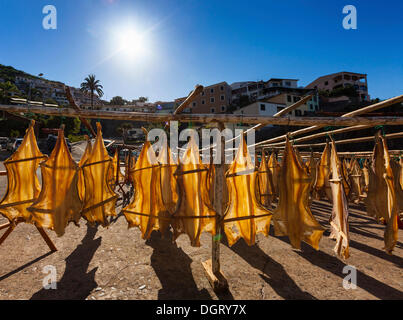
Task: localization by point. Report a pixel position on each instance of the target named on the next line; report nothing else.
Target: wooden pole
(197, 90)
(373, 107)
(212, 266)
(322, 134)
(76, 107)
(208, 118)
(354, 140)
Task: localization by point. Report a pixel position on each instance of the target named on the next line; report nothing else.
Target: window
(222, 108)
(310, 106)
(203, 101)
(326, 83)
(212, 90)
(262, 107)
(202, 93)
(212, 110)
(316, 108)
(288, 84)
(288, 98)
(194, 104)
(298, 113)
(212, 99)
(296, 99)
(222, 97)
(279, 109)
(222, 88)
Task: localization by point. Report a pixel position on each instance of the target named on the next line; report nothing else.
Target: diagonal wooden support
(11, 227)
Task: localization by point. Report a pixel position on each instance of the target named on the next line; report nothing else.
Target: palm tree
(90, 85)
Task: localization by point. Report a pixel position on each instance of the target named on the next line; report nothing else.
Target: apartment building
(288, 98)
(213, 99)
(342, 79)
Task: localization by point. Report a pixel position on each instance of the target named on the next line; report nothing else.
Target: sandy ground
(115, 263)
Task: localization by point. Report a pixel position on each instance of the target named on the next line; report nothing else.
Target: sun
(131, 42)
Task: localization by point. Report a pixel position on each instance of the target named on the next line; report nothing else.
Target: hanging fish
(339, 217)
(244, 217)
(59, 202)
(397, 172)
(147, 210)
(265, 184)
(99, 199)
(274, 168)
(292, 217)
(84, 157)
(355, 178)
(195, 213)
(23, 186)
(322, 186)
(381, 200)
(113, 170)
(168, 185)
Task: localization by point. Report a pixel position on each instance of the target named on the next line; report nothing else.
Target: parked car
(3, 142)
(16, 144)
(51, 142)
(10, 144)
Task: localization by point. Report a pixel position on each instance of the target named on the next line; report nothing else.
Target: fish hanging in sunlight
(99, 199)
(245, 216)
(339, 217)
(265, 184)
(84, 157)
(195, 213)
(23, 186)
(322, 186)
(293, 217)
(381, 200)
(147, 210)
(58, 202)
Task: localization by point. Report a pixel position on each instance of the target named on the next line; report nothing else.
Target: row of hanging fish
(69, 190)
(180, 194)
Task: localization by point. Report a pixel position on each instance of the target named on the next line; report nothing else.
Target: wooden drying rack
(212, 266)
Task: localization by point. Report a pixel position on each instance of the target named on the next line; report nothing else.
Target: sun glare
(131, 42)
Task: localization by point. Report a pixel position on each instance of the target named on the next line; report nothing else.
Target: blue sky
(185, 42)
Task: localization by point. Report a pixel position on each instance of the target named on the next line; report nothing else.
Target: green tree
(117, 101)
(91, 85)
(6, 89)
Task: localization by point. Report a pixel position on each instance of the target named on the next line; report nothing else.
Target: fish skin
(22, 181)
(265, 187)
(194, 199)
(147, 199)
(100, 199)
(243, 201)
(339, 218)
(59, 201)
(293, 217)
(322, 186)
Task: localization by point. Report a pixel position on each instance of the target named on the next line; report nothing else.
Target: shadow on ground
(173, 269)
(76, 283)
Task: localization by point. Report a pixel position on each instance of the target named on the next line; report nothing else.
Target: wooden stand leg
(6, 225)
(212, 266)
(7, 233)
(45, 237)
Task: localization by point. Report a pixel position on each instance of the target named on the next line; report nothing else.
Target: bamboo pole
(323, 134)
(76, 107)
(353, 140)
(373, 107)
(276, 115)
(206, 118)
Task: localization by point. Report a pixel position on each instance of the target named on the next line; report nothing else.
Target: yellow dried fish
(381, 200)
(99, 199)
(59, 202)
(293, 217)
(84, 157)
(113, 170)
(195, 213)
(274, 168)
(322, 186)
(339, 218)
(23, 185)
(244, 217)
(168, 185)
(265, 184)
(355, 177)
(147, 210)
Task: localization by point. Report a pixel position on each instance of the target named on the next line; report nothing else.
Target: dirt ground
(115, 263)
